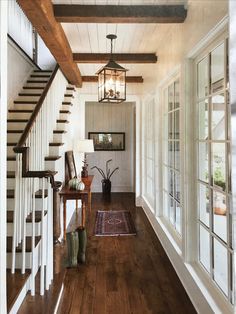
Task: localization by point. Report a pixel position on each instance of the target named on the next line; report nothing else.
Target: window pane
(203, 78)
(221, 266)
(204, 248)
(176, 94)
(170, 126)
(172, 211)
(165, 178)
(171, 154)
(166, 204)
(177, 155)
(171, 97)
(204, 203)
(220, 218)
(178, 218)
(177, 187)
(218, 117)
(171, 182)
(217, 68)
(203, 171)
(203, 120)
(176, 122)
(218, 165)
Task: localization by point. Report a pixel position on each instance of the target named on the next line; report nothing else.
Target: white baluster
(42, 241)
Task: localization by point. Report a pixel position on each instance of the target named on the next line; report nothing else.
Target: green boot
(82, 245)
(72, 248)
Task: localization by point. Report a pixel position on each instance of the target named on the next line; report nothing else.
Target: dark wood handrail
(34, 115)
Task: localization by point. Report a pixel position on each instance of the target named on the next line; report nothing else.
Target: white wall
(3, 115)
(112, 118)
(19, 68)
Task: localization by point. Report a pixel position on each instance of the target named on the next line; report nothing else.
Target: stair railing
(31, 176)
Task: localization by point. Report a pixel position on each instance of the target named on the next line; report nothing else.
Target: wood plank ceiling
(131, 38)
(90, 38)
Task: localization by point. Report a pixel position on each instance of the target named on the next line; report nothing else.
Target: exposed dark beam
(41, 15)
(129, 79)
(119, 57)
(75, 13)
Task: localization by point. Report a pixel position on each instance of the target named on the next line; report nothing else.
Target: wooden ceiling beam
(74, 13)
(41, 15)
(129, 79)
(118, 57)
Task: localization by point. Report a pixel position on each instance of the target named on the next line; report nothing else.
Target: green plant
(218, 178)
(109, 173)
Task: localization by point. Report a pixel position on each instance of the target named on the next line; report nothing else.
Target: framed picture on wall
(108, 141)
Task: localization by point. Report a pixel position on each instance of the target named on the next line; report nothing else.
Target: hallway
(123, 274)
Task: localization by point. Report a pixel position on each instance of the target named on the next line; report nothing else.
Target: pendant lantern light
(112, 80)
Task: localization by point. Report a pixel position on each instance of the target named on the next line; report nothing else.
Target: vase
(106, 186)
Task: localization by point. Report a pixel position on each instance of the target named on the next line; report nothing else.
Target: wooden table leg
(64, 217)
(90, 200)
(83, 212)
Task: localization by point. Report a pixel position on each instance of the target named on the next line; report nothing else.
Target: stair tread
(69, 95)
(62, 121)
(19, 248)
(37, 81)
(15, 283)
(43, 71)
(70, 88)
(29, 94)
(21, 110)
(18, 120)
(40, 75)
(56, 144)
(51, 158)
(10, 174)
(65, 111)
(59, 131)
(38, 215)
(33, 102)
(67, 103)
(33, 87)
(11, 144)
(11, 158)
(14, 131)
(38, 194)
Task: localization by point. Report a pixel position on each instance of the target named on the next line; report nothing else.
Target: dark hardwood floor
(129, 274)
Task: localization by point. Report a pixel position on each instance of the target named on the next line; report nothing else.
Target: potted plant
(106, 182)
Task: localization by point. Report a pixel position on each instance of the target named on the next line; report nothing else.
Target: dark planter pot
(106, 186)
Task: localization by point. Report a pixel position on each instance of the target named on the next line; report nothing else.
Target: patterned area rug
(114, 223)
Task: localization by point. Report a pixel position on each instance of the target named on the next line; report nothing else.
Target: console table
(85, 196)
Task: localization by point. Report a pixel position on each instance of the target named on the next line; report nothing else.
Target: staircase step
(33, 87)
(56, 144)
(62, 121)
(38, 194)
(11, 174)
(59, 131)
(68, 103)
(29, 94)
(20, 113)
(70, 88)
(65, 111)
(20, 110)
(69, 95)
(52, 158)
(19, 248)
(40, 75)
(30, 102)
(37, 81)
(15, 284)
(42, 71)
(38, 216)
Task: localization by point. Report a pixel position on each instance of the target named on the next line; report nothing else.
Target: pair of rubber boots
(76, 247)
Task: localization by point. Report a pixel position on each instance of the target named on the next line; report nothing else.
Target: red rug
(114, 223)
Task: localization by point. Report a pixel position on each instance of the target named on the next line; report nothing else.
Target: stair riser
(64, 116)
(56, 165)
(38, 79)
(28, 98)
(28, 229)
(13, 137)
(10, 151)
(59, 137)
(24, 106)
(68, 98)
(11, 183)
(56, 150)
(28, 259)
(31, 91)
(11, 165)
(62, 126)
(35, 84)
(66, 107)
(16, 125)
(38, 203)
(19, 115)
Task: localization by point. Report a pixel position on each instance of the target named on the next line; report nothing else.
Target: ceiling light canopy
(112, 80)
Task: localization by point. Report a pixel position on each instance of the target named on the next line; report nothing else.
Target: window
(213, 179)
(171, 159)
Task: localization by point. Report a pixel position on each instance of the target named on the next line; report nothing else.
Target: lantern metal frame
(116, 74)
